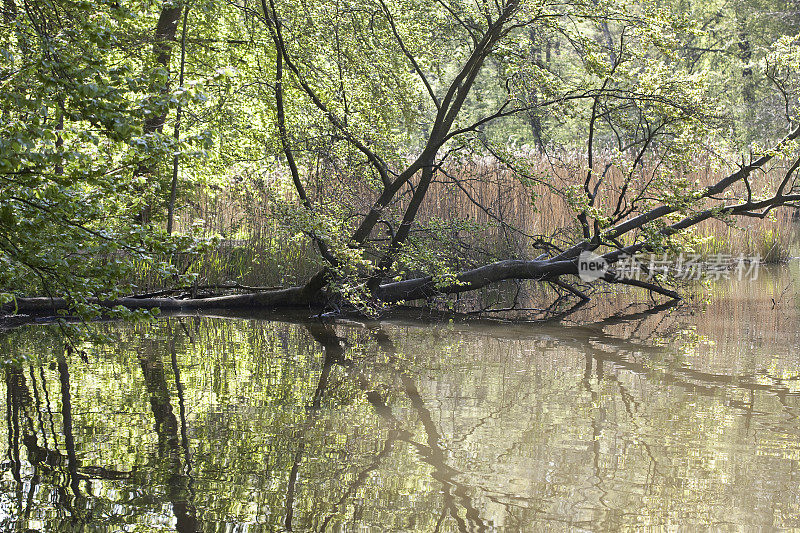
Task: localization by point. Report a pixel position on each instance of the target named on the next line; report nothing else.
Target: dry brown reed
(511, 213)
(517, 209)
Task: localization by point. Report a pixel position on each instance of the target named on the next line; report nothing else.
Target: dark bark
(278, 299)
(426, 287)
(624, 221)
(177, 132)
(164, 36)
(9, 11)
(299, 297)
(166, 27)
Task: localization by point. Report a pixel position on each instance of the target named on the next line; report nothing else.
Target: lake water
(688, 417)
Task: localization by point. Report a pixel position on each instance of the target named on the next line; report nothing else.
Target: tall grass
(507, 214)
(254, 249)
(539, 208)
(772, 240)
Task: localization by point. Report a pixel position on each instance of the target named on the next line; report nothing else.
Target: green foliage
(644, 90)
(72, 148)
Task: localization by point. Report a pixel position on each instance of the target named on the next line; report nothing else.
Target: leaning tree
(395, 100)
(640, 99)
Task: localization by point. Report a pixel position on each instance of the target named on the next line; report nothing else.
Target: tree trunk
(166, 28)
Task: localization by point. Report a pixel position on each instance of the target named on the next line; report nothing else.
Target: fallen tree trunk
(281, 298)
(313, 294)
(427, 287)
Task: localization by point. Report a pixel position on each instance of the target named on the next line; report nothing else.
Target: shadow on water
(645, 418)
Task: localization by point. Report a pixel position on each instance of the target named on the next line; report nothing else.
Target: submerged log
(281, 298)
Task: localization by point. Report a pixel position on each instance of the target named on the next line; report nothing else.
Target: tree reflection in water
(206, 424)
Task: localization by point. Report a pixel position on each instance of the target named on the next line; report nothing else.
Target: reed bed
(252, 248)
(514, 210)
(476, 210)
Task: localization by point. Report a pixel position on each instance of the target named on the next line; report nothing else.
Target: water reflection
(213, 424)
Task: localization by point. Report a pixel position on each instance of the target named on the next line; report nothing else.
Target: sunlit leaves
(71, 143)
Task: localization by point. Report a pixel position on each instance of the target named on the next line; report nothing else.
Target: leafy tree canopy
(355, 115)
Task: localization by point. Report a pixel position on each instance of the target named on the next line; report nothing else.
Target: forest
(356, 155)
(441, 266)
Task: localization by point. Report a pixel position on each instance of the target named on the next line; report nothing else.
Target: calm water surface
(683, 418)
